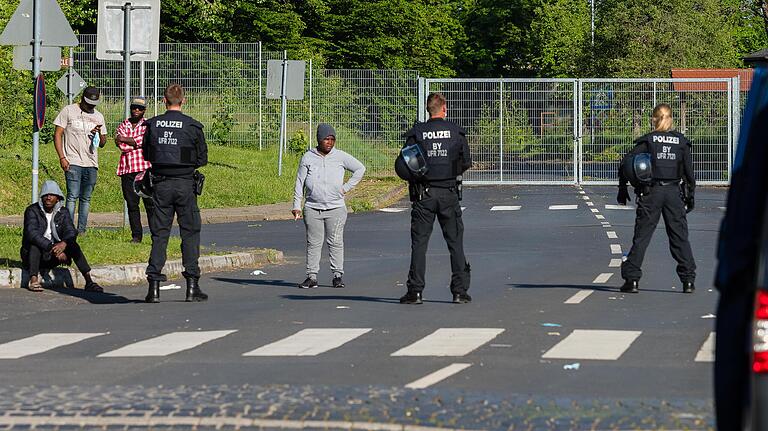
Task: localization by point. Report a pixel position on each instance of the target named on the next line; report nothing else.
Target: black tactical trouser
(34, 258)
(174, 196)
(132, 201)
(663, 200)
(443, 203)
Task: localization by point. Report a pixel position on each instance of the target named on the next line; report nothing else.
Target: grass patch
(370, 193)
(101, 247)
(234, 177)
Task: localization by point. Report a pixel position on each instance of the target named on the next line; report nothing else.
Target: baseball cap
(139, 101)
(91, 95)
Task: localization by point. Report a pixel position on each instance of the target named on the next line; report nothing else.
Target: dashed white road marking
(615, 248)
(604, 222)
(166, 344)
(619, 207)
(563, 207)
(450, 342)
(437, 376)
(586, 198)
(608, 226)
(593, 344)
(393, 210)
(582, 192)
(309, 342)
(602, 278)
(599, 216)
(615, 263)
(590, 204)
(594, 210)
(579, 296)
(42, 343)
(707, 351)
(506, 208)
(612, 235)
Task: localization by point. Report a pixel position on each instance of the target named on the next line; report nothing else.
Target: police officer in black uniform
(175, 145)
(437, 193)
(665, 195)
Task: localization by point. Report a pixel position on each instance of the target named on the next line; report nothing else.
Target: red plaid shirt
(132, 159)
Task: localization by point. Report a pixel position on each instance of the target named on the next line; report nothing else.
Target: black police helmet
(642, 168)
(413, 164)
(142, 185)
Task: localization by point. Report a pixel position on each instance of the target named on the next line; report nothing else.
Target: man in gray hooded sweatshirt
(321, 173)
(50, 239)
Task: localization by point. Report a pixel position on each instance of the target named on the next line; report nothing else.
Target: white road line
(579, 296)
(42, 343)
(607, 226)
(590, 204)
(615, 263)
(612, 235)
(586, 198)
(506, 208)
(707, 351)
(593, 344)
(437, 376)
(604, 222)
(615, 248)
(450, 342)
(582, 192)
(393, 210)
(619, 207)
(602, 278)
(309, 342)
(599, 216)
(563, 207)
(166, 344)
(594, 210)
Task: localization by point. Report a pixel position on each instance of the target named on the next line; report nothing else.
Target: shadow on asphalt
(584, 287)
(253, 281)
(95, 297)
(353, 298)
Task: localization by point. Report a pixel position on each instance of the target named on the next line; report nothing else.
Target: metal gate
(567, 131)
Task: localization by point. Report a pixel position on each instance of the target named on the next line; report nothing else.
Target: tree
(560, 32)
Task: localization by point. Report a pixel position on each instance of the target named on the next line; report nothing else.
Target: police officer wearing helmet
(661, 171)
(432, 170)
(175, 145)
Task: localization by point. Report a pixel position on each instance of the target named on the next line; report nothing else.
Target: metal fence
(521, 131)
(557, 131)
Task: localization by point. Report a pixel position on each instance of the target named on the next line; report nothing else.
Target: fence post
(423, 88)
(260, 89)
(576, 121)
(309, 135)
(501, 131)
(578, 150)
(737, 121)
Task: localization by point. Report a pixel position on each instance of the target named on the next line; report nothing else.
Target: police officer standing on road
(175, 145)
(662, 195)
(437, 193)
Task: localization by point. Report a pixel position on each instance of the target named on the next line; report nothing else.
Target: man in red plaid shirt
(129, 137)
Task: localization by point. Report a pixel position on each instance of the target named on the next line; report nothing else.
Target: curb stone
(111, 275)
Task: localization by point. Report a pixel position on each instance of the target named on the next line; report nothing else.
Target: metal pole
(309, 135)
(154, 90)
(654, 94)
(36, 27)
(501, 131)
(70, 90)
(142, 72)
(260, 89)
(576, 132)
(283, 107)
(127, 72)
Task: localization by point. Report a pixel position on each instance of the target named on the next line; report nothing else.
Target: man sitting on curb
(50, 239)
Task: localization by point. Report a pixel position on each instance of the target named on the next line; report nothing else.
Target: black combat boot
(461, 298)
(688, 287)
(194, 294)
(630, 286)
(411, 298)
(153, 295)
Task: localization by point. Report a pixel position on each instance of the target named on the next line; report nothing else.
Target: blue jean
(80, 183)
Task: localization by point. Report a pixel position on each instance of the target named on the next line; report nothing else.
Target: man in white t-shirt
(80, 132)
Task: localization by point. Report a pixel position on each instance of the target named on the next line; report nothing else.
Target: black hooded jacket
(35, 225)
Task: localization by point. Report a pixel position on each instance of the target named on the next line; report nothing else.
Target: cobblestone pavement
(329, 408)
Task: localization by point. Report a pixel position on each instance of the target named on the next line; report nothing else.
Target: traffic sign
(294, 79)
(50, 58)
(54, 31)
(78, 84)
(145, 30)
(39, 102)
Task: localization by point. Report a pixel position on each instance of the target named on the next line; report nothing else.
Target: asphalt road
(547, 327)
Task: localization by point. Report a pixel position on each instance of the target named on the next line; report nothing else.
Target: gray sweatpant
(328, 224)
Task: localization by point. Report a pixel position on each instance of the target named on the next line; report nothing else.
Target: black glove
(689, 204)
(623, 196)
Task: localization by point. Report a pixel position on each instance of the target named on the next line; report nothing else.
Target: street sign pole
(70, 89)
(283, 108)
(36, 24)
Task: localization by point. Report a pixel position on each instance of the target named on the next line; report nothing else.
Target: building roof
(756, 57)
(744, 74)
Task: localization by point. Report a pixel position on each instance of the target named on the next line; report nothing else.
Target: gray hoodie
(323, 178)
(51, 188)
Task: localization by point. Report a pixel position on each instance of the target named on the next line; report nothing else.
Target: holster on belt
(416, 191)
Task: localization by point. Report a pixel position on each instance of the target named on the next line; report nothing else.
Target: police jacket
(35, 225)
(445, 148)
(670, 157)
(175, 144)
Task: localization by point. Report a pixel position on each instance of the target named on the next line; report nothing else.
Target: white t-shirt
(48, 217)
(77, 125)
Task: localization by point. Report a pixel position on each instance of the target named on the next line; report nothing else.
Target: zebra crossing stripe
(615, 248)
(579, 296)
(707, 351)
(437, 376)
(166, 344)
(42, 343)
(393, 210)
(309, 342)
(615, 263)
(612, 235)
(450, 342)
(593, 344)
(619, 207)
(506, 208)
(603, 278)
(563, 207)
